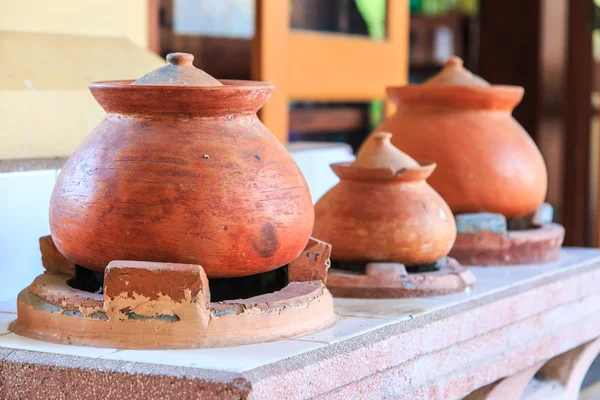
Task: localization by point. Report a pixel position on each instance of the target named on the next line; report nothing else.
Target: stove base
(391, 280)
(527, 246)
(138, 311)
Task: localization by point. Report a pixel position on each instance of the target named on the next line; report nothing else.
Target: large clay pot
(486, 160)
(383, 210)
(181, 170)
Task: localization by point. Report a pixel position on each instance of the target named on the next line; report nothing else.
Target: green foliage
(373, 12)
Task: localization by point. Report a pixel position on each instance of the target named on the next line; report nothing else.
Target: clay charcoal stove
(490, 171)
(180, 222)
(390, 231)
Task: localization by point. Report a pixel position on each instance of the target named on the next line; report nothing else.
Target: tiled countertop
(360, 321)
(357, 317)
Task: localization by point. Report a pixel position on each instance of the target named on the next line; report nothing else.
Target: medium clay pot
(486, 161)
(181, 170)
(384, 210)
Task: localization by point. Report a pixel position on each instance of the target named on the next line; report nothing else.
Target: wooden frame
(422, 31)
(323, 66)
(307, 121)
(512, 56)
(576, 172)
(154, 26)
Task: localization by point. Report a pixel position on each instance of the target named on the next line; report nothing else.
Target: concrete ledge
(445, 354)
(451, 352)
(31, 164)
(29, 375)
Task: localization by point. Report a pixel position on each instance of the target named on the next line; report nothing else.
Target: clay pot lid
(179, 71)
(454, 73)
(380, 161)
(379, 152)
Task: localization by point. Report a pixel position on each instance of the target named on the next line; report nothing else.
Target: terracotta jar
(182, 170)
(486, 160)
(384, 210)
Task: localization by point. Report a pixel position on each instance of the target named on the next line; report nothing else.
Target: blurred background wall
(330, 60)
(49, 52)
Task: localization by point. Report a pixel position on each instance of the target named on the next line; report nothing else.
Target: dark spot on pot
(424, 206)
(257, 157)
(225, 228)
(267, 244)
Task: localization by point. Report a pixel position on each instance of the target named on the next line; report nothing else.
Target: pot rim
(345, 171)
(494, 98)
(235, 97)
(227, 84)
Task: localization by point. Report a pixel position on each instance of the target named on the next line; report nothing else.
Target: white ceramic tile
(396, 309)
(489, 280)
(5, 320)
(24, 218)
(14, 341)
(494, 279)
(234, 359)
(346, 328)
(8, 306)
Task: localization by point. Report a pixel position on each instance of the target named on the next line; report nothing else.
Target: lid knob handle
(179, 71)
(382, 137)
(379, 152)
(180, 59)
(454, 73)
(454, 61)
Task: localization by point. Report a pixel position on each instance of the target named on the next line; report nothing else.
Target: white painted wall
(24, 199)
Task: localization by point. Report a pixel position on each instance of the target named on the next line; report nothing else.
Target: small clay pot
(181, 170)
(384, 210)
(486, 161)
